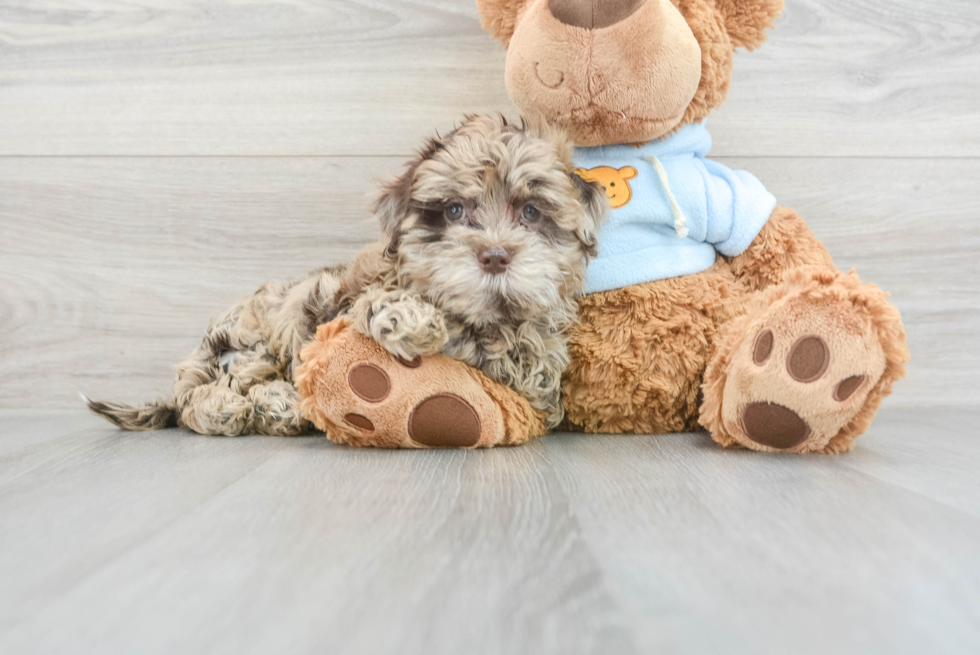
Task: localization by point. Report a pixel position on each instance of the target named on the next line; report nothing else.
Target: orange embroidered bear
(614, 181)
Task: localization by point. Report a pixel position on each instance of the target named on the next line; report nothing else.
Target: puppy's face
(491, 224)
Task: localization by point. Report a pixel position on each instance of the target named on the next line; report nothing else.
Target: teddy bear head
(623, 71)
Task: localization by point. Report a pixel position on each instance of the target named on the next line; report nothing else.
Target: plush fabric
(553, 69)
(720, 210)
(865, 335)
(639, 352)
(359, 394)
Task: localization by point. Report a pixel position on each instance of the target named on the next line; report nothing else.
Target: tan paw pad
(800, 374)
(360, 394)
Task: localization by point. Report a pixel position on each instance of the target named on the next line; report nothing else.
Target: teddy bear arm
(785, 243)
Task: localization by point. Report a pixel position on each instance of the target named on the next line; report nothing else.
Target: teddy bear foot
(362, 395)
(808, 371)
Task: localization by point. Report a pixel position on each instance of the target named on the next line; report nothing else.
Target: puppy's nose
(494, 260)
(592, 14)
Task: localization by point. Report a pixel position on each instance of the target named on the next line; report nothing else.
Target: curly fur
(421, 291)
(638, 353)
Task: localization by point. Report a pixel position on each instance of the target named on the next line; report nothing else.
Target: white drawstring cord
(679, 218)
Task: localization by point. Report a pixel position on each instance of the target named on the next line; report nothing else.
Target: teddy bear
(709, 306)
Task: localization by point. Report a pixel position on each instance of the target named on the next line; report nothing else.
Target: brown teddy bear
(708, 305)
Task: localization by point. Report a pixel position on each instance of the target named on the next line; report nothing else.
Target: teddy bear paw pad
(801, 374)
(369, 382)
(444, 421)
(773, 425)
(394, 402)
(359, 421)
(360, 394)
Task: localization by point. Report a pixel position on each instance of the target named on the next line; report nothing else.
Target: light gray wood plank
(171, 542)
(111, 267)
(942, 464)
(838, 77)
(189, 544)
(737, 552)
(27, 429)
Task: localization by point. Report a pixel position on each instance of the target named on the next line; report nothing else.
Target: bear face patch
(614, 181)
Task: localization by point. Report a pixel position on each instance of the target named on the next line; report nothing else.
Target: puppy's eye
(454, 212)
(530, 214)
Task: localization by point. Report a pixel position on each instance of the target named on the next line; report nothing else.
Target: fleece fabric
(672, 209)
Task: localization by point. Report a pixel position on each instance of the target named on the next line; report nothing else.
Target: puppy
(487, 235)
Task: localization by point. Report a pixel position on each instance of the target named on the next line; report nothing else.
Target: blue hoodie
(672, 209)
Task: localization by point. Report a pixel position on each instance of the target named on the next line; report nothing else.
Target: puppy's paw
(404, 324)
(276, 409)
(215, 409)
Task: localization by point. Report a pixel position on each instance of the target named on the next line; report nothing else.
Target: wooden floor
(161, 158)
(170, 543)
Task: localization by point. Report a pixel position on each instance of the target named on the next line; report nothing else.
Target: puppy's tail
(153, 416)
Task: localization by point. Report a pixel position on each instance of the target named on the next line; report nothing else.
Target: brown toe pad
(444, 421)
(360, 421)
(773, 425)
(369, 381)
(808, 359)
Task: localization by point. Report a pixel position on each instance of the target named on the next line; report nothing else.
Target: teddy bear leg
(638, 353)
(784, 244)
(360, 394)
(806, 367)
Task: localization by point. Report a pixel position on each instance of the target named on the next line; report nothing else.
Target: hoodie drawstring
(679, 219)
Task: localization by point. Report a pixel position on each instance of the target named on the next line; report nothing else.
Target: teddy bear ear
(500, 17)
(748, 20)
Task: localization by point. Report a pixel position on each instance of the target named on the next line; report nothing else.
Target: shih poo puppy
(487, 236)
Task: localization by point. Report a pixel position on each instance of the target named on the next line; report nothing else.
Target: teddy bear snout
(593, 14)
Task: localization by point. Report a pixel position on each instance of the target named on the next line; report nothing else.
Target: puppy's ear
(591, 195)
(535, 125)
(392, 203)
(595, 203)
